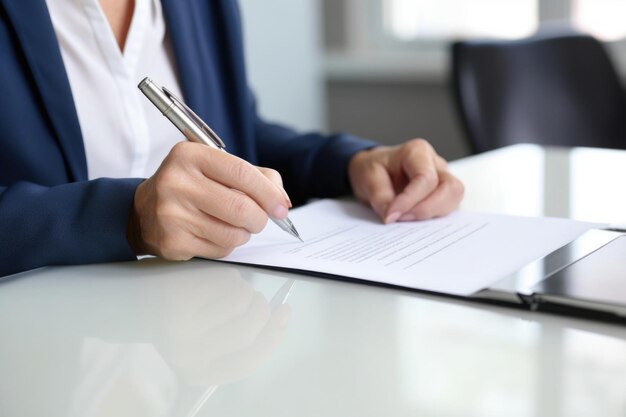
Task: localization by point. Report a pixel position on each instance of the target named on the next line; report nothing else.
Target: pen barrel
(286, 225)
(177, 116)
(155, 95)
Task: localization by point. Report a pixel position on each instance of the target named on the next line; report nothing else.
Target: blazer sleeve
(313, 165)
(75, 223)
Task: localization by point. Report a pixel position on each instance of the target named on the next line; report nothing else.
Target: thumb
(379, 190)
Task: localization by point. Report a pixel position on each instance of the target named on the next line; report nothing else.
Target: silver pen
(194, 129)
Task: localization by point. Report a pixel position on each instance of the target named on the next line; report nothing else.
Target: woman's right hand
(203, 202)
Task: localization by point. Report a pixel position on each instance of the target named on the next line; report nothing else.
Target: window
(445, 19)
(411, 20)
(605, 19)
(410, 38)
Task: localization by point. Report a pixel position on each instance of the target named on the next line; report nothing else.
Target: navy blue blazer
(50, 213)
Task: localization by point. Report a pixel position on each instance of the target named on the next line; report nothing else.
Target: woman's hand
(203, 202)
(405, 183)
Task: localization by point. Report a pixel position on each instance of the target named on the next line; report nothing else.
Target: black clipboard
(585, 278)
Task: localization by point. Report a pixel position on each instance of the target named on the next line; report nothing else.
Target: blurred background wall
(285, 60)
(379, 68)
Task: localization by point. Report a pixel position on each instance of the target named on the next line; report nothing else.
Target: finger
(377, 189)
(214, 230)
(192, 233)
(442, 164)
(229, 206)
(275, 177)
(445, 199)
(182, 246)
(420, 166)
(235, 173)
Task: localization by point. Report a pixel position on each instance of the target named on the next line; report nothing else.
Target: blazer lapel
(197, 47)
(180, 22)
(35, 33)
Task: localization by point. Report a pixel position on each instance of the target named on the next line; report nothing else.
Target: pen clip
(195, 118)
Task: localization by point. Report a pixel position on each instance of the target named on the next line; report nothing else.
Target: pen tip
(296, 234)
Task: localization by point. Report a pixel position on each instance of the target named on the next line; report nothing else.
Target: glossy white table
(201, 338)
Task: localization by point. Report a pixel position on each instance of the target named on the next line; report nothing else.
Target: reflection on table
(153, 338)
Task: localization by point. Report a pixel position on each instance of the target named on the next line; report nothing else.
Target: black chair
(549, 89)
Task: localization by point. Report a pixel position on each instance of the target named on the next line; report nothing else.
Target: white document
(460, 254)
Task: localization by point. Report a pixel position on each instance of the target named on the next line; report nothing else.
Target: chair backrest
(551, 89)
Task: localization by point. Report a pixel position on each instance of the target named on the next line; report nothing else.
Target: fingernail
(287, 199)
(393, 217)
(409, 217)
(280, 212)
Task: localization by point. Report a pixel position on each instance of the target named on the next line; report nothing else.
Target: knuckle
(453, 188)
(163, 211)
(429, 178)
(377, 190)
(221, 252)
(180, 150)
(458, 188)
(378, 197)
(242, 172)
(273, 175)
(239, 206)
(419, 143)
(169, 249)
(168, 178)
(424, 212)
(442, 162)
(234, 237)
(422, 147)
(228, 238)
(259, 224)
(244, 238)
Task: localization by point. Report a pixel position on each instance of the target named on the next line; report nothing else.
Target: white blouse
(124, 134)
